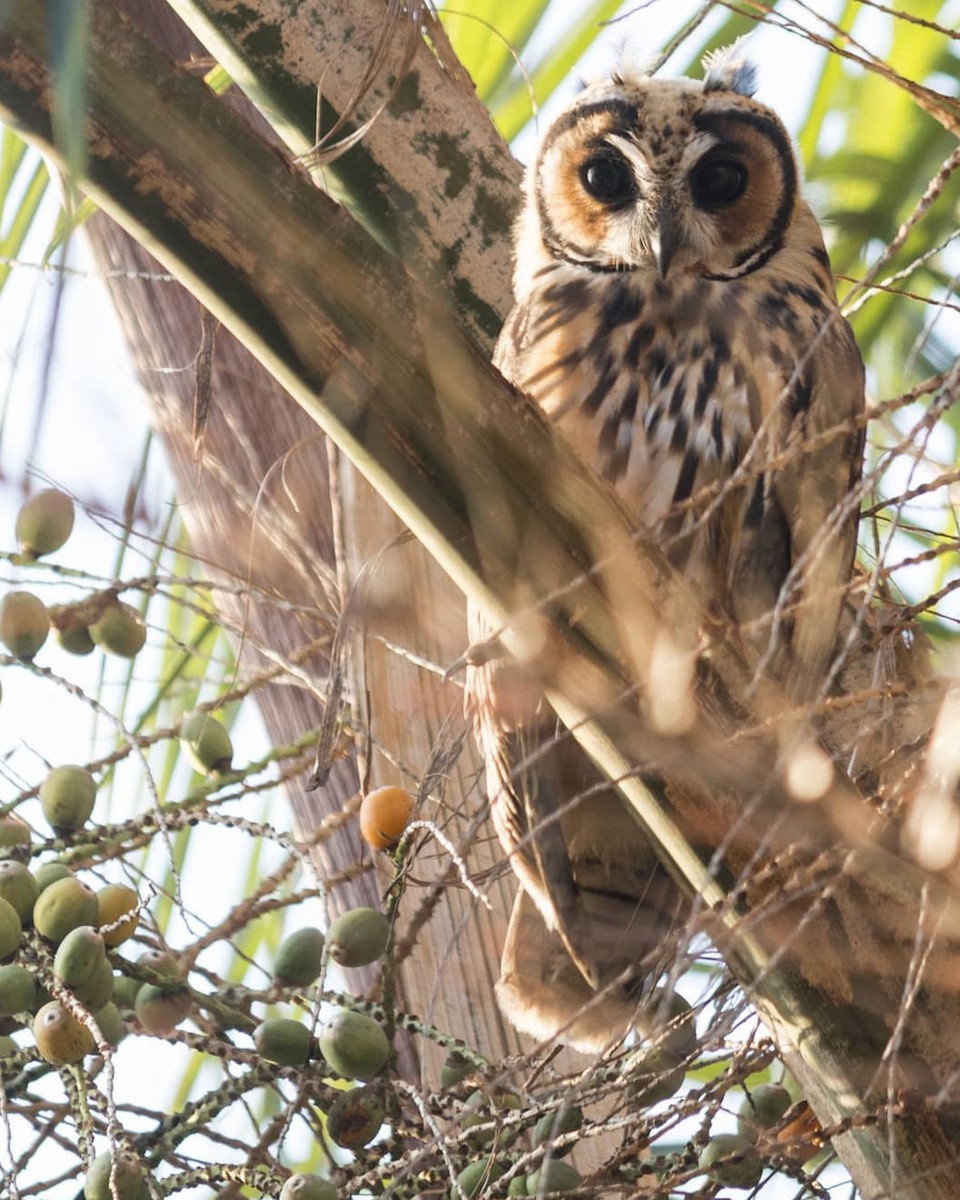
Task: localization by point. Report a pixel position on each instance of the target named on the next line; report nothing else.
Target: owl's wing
(796, 531)
(816, 489)
(579, 855)
(527, 788)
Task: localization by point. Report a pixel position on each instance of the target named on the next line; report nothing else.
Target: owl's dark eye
(608, 178)
(718, 182)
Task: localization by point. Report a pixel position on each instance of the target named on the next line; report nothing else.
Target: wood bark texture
(260, 505)
(837, 979)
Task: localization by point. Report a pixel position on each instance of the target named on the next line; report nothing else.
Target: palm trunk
(860, 992)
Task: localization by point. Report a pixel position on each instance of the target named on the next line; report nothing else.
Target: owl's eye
(718, 182)
(608, 178)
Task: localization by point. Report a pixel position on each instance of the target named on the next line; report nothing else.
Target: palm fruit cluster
(347, 1043)
(61, 976)
(59, 970)
(555, 1134)
(734, 1159)
(56, 971)
(497, 1127)
(487, 1118)
(63, 981)
(43, 525)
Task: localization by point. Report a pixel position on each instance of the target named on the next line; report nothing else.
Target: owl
(676, 317)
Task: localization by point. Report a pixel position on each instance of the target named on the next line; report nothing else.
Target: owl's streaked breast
(645, 380)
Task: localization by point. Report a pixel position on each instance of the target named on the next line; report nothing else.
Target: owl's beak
(665, 238)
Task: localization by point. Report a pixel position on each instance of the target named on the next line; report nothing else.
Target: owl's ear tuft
(729, 70)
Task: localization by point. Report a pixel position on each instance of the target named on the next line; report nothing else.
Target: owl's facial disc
(665, 177)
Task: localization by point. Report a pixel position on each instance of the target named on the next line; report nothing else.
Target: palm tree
(374, 321)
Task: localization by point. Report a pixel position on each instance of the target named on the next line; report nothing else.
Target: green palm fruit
(355, 1118)
(207, 743)
(354, 1045)
(60, 1037)
(358, 937)
(44, 523)
(24, 623)
(11, 929)
(299, 958)
(128, 1178)
(79, 955)
(308, 1187)
(67, 796)
(18, 887)
(283, 1040)
(555, 1176)
(119, 630)
(63, 906)
(18, 990)
(743, 1174)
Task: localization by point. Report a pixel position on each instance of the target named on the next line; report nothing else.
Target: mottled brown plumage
(675, 315)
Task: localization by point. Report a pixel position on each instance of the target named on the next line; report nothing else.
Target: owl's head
(665, 175)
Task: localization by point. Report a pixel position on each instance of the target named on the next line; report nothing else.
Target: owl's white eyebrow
(697, 149)
(630, 149)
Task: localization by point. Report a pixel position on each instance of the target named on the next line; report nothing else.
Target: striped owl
(676, 317)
